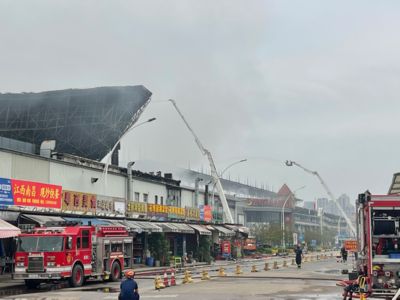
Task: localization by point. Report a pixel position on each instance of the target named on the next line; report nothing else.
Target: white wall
(5, 164)
(74, 178)
(150, 188)
(187, 198)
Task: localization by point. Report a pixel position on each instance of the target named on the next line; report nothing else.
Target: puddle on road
(303, 297)
(101, 290)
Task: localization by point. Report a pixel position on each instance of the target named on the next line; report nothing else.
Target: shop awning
(148, 226)
(134, 226)
(238, 228)
(224, 231)
(43, 220)
(202, 230)
(7, 230)
(9, 215)
(168, 227)
(184, 228)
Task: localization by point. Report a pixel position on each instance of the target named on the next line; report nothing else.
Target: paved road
(320, 284)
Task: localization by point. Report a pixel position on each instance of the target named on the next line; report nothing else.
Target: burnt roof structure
(84, 122)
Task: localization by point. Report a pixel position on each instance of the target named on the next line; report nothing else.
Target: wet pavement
(316, 280)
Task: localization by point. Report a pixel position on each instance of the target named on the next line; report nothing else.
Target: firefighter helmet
(129, 273)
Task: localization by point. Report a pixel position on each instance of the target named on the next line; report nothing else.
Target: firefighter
(299, 255)
(129, 287)
(343, 252)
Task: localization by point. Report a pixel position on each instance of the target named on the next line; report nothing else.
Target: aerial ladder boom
(328, 191)
(214, 173)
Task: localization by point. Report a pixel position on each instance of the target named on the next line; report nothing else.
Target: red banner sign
(28, 193)
(350, 245)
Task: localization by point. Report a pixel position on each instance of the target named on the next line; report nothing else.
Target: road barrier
(187, 278)
(293, 263)
(254, 269)
(275, 267)
(221, 272)
(266, 267)
(238, 270)
(284, 264)
(205, 276)
(158, 284)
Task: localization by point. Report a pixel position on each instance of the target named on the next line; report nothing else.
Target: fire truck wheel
(115, 272)
(32, 284)
(77, 277)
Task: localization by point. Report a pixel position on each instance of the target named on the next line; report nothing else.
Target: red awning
(7, 230)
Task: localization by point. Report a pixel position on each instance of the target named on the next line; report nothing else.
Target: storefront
(7, 246)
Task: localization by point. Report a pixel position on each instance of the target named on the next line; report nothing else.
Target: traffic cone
(205, 276)
(221, 272)
(284, 264)
(173, 281)
(275, 267)
(266, 268)
(254, 269)
(238, 270)
(166, 284)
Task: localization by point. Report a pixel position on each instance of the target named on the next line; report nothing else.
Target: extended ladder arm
(328, 191)
(214, 173)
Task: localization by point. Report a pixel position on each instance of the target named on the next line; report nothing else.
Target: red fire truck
(378, 231)
(72, 252)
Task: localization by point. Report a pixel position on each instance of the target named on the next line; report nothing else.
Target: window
(145, 197)
(137, 197)
(161, 200)
(78, 243)
(85, 239)
(156, 199)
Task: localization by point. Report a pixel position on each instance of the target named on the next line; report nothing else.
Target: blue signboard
(6, 197)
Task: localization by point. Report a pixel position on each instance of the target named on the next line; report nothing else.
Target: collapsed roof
(84, 122)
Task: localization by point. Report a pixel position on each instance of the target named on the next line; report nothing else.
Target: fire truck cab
(75, 253)
(378, 229)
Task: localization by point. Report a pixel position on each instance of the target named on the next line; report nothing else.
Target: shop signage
(192, 213)
(6, 197)
(205, 213)
(79, 202)
(164, 211)
(350, 245)
(138, 208)
(42, 195)
(110, 206)
(275, 202)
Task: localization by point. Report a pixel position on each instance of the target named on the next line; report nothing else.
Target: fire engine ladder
(396, 295)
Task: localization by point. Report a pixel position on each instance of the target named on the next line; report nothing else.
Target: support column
(184, 243)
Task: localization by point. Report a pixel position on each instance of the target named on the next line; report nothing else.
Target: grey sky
(312, 81)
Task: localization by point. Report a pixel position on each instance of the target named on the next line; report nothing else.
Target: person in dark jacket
(299, 254)
(343, 252)
(129, 287)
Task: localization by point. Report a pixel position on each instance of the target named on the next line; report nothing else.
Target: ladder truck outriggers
(75, 253)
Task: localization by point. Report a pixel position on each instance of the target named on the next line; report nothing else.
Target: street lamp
(283, 215)
(223, 171)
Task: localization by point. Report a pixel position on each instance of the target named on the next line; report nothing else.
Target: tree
(159, 247)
